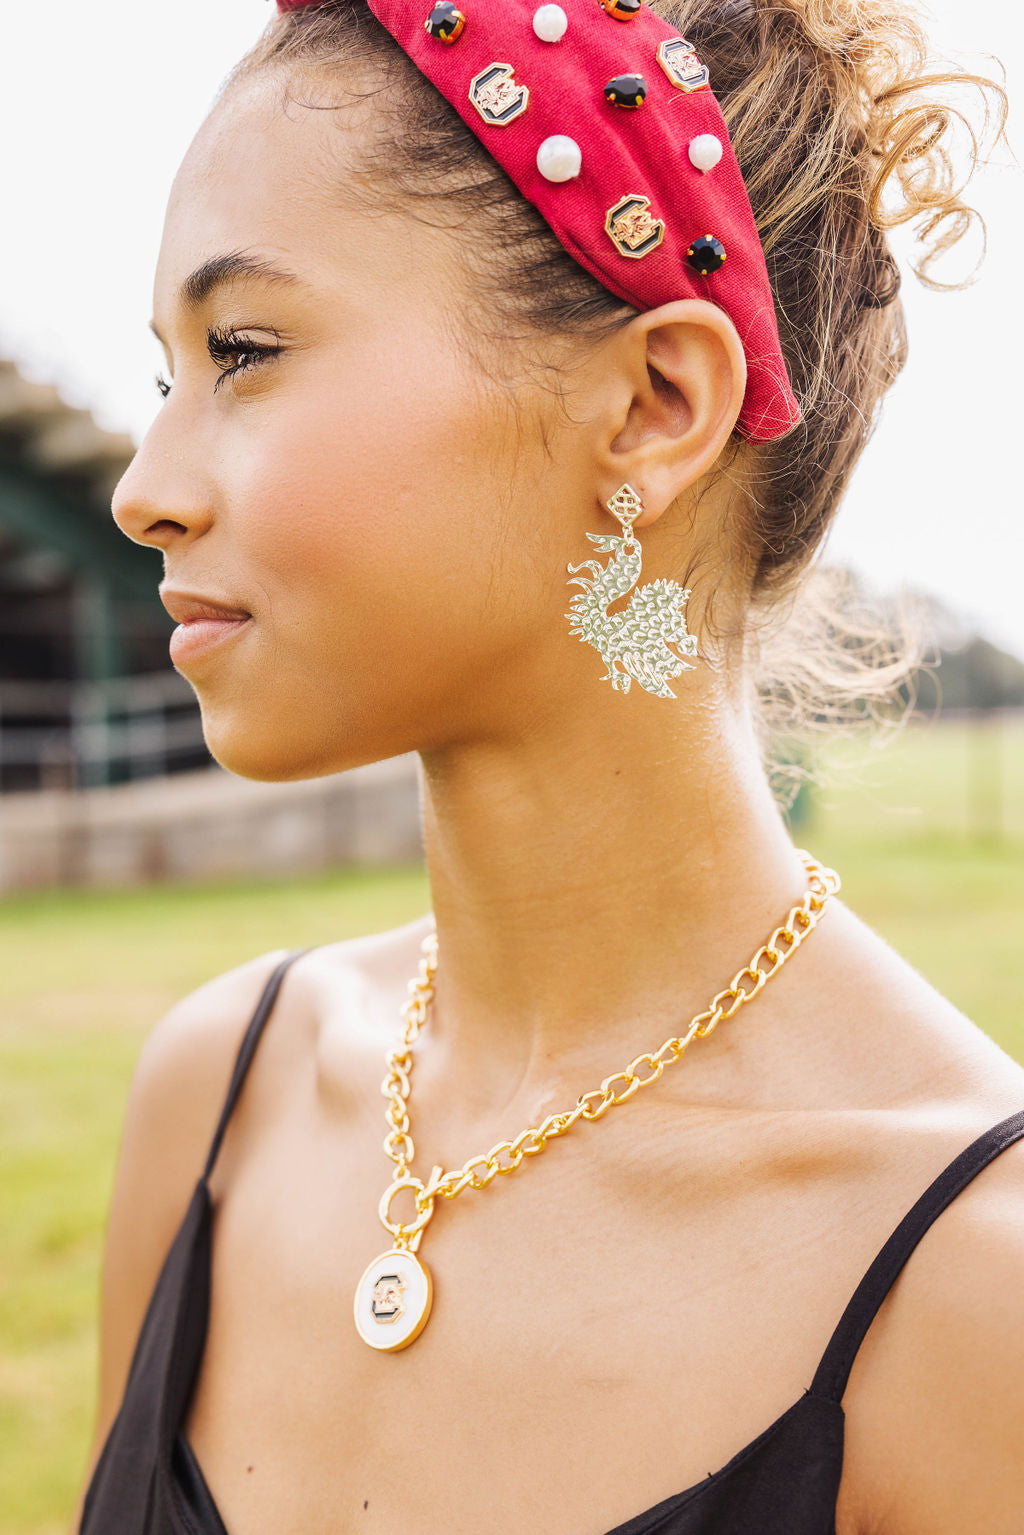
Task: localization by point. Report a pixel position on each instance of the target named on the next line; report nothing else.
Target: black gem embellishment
(445, 22)
(626, 91)
(706, 254)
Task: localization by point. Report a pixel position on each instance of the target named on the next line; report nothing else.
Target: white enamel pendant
(393, 1300)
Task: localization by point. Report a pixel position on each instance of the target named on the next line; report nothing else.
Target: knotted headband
(604, 117)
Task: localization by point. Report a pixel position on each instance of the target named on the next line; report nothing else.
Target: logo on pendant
(496, 95)
(633, 229)
(386, 1298)
(392, 1300)
(679, 60)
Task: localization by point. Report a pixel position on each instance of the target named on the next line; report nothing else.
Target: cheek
(375, 518)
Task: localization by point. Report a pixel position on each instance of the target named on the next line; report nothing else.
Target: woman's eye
(223, 345)
(226, 346)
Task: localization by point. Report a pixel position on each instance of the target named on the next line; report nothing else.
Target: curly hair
(836, 116)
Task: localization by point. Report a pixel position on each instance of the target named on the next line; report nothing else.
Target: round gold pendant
(393, 1300)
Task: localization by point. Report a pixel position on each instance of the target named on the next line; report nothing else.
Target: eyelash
(222, 344)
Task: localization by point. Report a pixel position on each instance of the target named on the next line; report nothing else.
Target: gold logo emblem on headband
(679, 60)
(496, 95)
(634, 230)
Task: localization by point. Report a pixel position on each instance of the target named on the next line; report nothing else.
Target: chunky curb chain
(644, 1069)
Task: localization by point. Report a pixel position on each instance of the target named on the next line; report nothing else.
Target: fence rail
(78, 735)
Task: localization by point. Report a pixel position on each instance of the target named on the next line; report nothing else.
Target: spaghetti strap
(247, 1050)
(837, 1360)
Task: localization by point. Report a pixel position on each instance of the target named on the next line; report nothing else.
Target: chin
(271, 756)
(276, 767)
(270, 751)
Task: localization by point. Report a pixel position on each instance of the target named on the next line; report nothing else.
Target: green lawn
(928, 836)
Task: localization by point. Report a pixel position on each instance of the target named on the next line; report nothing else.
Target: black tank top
(147, 1480)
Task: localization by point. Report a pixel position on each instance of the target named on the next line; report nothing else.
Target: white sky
(98, 104)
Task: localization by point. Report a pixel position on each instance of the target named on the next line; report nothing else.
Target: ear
(683, 376)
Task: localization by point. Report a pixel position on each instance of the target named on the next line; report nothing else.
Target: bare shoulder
(179, 1082)
(934, 1406)
(945, 1448)
(893, 1039)
(935, 1400)
(178, 1085)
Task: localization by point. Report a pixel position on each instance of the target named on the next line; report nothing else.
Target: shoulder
(179, 1082)
(946, 1439)
(331, 998)
(183, 1072)
(935, 1403)
(892, 1040)
(184, 1066)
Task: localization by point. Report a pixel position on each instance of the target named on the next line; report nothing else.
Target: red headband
(588, 106)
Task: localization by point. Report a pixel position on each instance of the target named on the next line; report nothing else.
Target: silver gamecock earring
(639, 637)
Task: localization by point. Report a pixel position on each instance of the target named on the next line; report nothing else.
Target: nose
(161, 499)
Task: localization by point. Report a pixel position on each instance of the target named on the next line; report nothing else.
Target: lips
(204, 622)
(189, 607)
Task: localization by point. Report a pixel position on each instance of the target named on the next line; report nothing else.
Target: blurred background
(132, 867)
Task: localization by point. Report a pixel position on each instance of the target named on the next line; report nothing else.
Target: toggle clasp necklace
(394, 1296)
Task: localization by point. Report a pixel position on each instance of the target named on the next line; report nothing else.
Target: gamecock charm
(634, 643)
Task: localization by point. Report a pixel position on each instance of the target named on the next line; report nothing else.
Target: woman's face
(395, 524)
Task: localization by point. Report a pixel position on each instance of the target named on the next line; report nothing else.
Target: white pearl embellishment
(550, 23)
(705, 151)
(559, 158)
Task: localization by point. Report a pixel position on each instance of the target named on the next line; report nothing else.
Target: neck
(593, 888)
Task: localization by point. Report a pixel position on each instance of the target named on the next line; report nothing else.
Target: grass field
(928, 836)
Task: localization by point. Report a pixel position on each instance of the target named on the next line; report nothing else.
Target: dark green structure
(85, 679)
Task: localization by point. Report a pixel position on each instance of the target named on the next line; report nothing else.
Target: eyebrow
(220, 272)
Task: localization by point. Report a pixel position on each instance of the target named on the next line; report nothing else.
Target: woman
(406, 393)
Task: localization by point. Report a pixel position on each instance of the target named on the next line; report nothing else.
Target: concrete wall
(209, 825)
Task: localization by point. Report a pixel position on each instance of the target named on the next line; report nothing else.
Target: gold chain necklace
(394, 1296)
